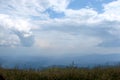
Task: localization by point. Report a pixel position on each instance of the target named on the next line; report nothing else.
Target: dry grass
(68, 73)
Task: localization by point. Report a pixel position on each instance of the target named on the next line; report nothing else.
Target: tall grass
(66, 73)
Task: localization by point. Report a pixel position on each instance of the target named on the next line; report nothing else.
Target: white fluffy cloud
(112, 11)
(83, 28)
(14, 28)
(33, 7)
(89, 22)
(59, 5)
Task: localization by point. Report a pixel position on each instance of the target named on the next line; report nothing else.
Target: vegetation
(66, 73)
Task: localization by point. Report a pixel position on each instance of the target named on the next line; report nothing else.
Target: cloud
(30, 24)
(82, 14)
(26, 8)
(23, 7)
(111, 11)
(89, 22)
(58, 5)
(18, 29)
(25, 38)
(15, 17)
(111, 43)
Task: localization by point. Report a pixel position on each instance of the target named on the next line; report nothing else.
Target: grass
(67, 73)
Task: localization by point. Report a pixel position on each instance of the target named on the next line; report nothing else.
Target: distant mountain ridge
(39, 62)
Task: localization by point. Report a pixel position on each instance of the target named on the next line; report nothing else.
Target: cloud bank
(26, 23)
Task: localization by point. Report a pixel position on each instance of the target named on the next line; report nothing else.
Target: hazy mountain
(35, 62)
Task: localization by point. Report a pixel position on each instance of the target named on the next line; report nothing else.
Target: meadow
(65, 73)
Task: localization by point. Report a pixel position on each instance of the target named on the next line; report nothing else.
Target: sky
(58, 28)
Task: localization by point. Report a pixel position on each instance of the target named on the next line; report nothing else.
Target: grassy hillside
(68, 73)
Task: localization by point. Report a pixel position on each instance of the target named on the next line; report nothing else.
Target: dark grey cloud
(26, 41)
(100, 30)
(110, 43)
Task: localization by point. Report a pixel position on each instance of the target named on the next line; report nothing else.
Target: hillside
(67, 73)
